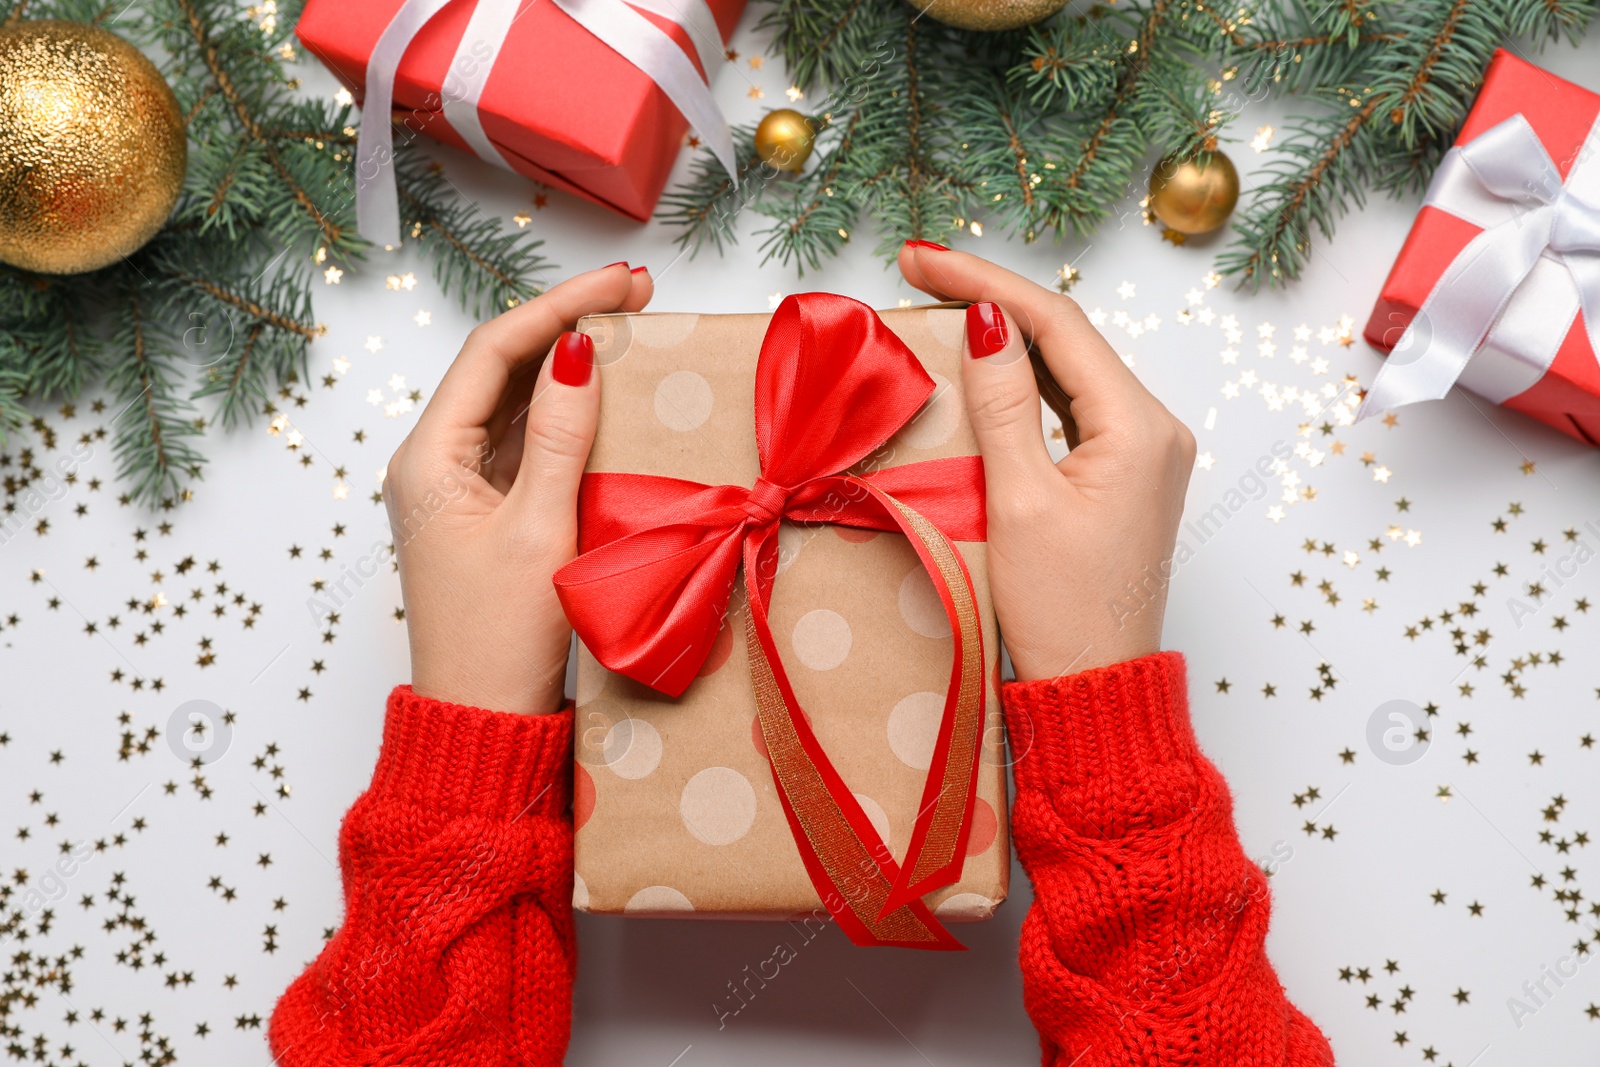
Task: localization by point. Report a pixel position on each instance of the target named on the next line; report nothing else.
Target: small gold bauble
(784, 139)
(988, 14)
(92, 147)
(1194, 197)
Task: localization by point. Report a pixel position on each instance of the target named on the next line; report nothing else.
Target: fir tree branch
(458, 244)
(269, 175)
(1126, 85)
(1315, 40)
(1019, 157)
(706, 206)
(13, 392)
(1418, 65)
(816, 36)
(155, 424)
(786, 238)
(332, 235)
(328, 136)
(1402, 107)
(1273, 233)
(914, 162)
(473, 255)
(262, 316)
(1550, 19)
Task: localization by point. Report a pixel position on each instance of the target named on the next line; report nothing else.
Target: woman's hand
(1080, 552)
(482, 498)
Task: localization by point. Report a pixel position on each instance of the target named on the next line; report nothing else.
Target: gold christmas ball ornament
(988, 14)
(1194, 197)
(92, 147)
(784, 139)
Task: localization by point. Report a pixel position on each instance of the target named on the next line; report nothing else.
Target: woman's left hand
(482, 498)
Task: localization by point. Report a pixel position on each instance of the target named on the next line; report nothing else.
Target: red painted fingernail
(640, 270)
(986, 329)
(618, 263)
(574, 359)
(935, 245)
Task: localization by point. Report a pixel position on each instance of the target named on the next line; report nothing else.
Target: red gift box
(562, 107)
(1566, 395)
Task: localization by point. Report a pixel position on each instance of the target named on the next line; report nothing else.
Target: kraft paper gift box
(675, 805)
(1537, 139)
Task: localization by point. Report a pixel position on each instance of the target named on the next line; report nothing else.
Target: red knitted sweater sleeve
(457, 943)
(1144, 944)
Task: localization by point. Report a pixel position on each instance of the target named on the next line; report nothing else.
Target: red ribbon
(660, 557)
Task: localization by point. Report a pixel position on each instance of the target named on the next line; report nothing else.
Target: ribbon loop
(1504, 182)
(1576, 228)
(660, 556)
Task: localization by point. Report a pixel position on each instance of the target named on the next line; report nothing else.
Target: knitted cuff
(1116, 741)
(462, 760)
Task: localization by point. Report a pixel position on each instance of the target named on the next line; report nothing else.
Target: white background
(647, 989)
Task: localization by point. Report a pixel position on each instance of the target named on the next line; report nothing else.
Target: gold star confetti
(1066, 277)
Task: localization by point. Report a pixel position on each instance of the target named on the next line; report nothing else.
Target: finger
(515, 402)
(506, 428)
(1078, 357)
(1003, 404)
(473, 387)
(561, 425)
(644, 287)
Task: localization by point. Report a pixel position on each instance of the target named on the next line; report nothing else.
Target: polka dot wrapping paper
(674, 804)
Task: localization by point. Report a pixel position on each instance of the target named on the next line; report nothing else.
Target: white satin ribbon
(469, 72)
(617, 25)
(1498, 314)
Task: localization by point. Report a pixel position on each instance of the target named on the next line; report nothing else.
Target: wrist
(527, 691)
(1091, 651)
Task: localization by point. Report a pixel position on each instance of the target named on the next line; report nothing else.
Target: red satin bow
(660, 557)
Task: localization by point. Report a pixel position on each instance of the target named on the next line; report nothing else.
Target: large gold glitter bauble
(1194, 197)
(988, 14)
(92, 147)
(784, 139)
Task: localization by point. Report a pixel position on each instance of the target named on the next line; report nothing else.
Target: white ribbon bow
(628, 33)
(1498, 314)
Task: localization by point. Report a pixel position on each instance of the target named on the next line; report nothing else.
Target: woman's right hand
(483, 498)
(1080, 551)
